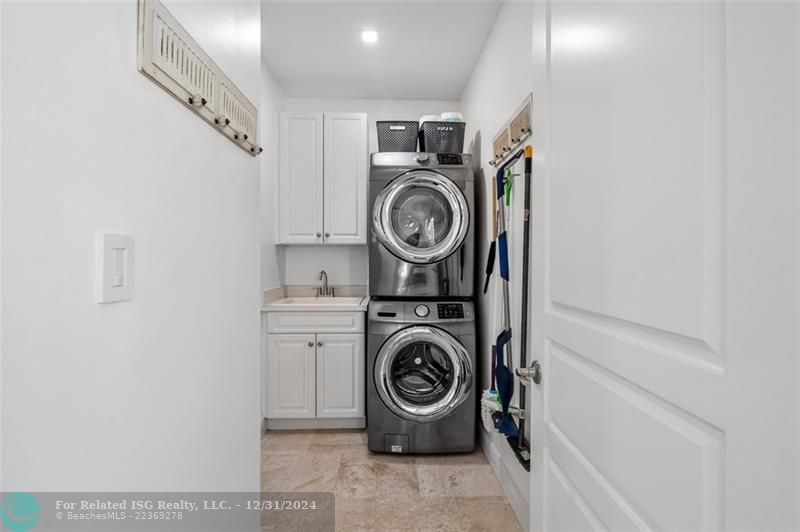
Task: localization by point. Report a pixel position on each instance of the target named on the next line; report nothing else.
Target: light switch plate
(114, 275)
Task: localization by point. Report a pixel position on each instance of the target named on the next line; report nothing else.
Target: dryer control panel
(450, 311)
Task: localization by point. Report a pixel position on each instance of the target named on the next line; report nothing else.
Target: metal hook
(197, 101)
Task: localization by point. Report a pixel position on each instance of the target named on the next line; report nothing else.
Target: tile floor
(386, 492)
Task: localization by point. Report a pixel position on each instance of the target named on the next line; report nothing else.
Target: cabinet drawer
(316, 322)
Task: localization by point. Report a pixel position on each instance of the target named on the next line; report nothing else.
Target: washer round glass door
(423, 373)
(421, 217)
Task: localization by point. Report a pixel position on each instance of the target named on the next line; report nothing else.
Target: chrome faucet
(325, 290)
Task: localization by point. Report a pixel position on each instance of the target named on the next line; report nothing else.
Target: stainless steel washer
(421, 235)
(421, 385)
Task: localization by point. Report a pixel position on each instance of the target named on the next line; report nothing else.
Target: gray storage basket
(397, 135)
(442, 137)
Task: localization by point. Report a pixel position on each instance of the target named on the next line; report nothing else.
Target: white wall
(345, 265)
(1, 248)
(502, 79)
(348, 264)
(162, 392)
(272, 256)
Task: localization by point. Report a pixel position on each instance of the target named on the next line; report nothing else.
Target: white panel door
(340, 375)
(345, 210)
(665, 278)
(299, 199)
(291, 375)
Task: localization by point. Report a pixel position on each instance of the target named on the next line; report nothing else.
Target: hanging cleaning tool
(491, 258)
(489, 266)
(523, 447)
(509, 185)
(503, 371)
(505, 386)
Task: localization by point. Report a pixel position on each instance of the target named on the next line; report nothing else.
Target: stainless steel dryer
(421, 389)
(422, 241)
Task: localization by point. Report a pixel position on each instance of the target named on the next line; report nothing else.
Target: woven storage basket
(397, 135)
(442, 137)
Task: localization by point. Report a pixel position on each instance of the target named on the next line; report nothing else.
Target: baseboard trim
(326, 423)
(516, 487)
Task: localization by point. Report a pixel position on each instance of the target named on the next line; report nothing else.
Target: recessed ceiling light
(369, 36)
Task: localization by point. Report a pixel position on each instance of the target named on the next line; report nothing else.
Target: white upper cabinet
(345, 169)
(323, 178)
(300, 179)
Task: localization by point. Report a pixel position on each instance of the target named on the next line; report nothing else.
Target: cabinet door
(299, 181)
(346, 162)
(340, 375)
(291, 381)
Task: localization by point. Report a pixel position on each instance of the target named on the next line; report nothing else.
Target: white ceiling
(426, 50)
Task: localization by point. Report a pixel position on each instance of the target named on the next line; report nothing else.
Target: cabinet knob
(319, 344)
(319, 235)
(327, 235)
(310, 344)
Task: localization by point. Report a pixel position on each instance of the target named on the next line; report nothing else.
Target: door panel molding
(564, 494)
(634, 437)
(679, 380)
(587, 241)
(610, 507)
(694, 351)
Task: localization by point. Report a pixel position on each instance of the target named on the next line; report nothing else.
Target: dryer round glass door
(421, 217)
(423, 373)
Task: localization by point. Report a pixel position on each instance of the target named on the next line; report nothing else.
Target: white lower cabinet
(340, 375)
(318, 377)
(292, 382)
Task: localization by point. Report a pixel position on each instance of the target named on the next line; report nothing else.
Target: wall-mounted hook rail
(172, 59)
(513, 134)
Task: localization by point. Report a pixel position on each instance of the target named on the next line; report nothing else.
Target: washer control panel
(450, 311)
(422, 311)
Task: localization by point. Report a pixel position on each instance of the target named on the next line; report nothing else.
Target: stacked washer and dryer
(421, 346)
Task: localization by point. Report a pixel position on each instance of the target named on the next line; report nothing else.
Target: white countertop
(317, 304)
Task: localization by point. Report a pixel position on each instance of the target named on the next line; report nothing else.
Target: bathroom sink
(318, 303)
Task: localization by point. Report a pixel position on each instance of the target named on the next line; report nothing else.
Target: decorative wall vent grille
(177, 59)
(172, 59)
(242, 115)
